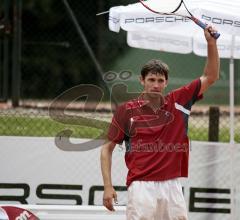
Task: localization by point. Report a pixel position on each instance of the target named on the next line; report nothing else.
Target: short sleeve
(188, 94)
(117, 129)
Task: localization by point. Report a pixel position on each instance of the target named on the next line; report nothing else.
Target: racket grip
(215, 35)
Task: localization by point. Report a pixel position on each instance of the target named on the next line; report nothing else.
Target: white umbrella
(176, 34)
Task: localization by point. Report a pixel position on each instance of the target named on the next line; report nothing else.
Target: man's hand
(207, 32)
(108, 197)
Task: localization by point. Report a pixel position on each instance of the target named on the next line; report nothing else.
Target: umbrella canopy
(171, 33)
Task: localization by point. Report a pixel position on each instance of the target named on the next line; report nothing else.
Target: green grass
(47, 127)
(201, 134)
(42, 127)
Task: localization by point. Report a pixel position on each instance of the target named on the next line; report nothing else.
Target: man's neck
(154, 102)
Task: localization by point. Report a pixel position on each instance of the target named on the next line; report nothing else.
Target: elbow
(107, 148)
(211, 79)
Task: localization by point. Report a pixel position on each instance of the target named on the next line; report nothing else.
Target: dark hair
(155, 67)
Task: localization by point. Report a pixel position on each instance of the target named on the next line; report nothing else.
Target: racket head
(162, 6)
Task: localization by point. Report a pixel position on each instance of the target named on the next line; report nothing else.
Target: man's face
(154, 84)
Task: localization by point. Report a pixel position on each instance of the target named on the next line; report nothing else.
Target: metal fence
(48, 48)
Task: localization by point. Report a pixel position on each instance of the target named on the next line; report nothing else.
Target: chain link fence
(61, 74)
(65, 45)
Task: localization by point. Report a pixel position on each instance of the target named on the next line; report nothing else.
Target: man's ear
(166, 83)
(141, 80)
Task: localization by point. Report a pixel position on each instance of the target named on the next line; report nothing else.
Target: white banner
(35, 171)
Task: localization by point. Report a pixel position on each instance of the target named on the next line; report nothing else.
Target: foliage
(54, 57)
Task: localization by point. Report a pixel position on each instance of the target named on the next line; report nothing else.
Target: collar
(144, 102)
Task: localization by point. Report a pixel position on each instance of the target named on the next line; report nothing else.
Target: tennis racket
(171, 7)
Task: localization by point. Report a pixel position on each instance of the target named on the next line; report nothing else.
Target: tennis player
(154, 128)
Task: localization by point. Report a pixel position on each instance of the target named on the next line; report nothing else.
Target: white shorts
(156, 200)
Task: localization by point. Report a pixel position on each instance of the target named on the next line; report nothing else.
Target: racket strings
(178, 6)
(167, 13)
(186, 8)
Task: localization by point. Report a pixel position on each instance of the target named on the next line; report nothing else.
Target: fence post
(213, 130)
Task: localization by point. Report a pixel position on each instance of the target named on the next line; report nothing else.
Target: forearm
(211, 70)
(106, 163)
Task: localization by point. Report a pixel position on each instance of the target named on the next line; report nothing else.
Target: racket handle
(215, 35)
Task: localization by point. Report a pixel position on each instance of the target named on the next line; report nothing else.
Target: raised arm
(211, 70)
(106, 164)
